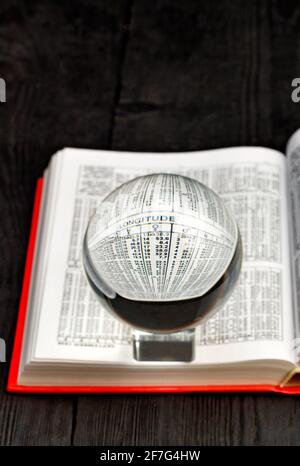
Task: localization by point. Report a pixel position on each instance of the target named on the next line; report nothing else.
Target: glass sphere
(163, 251)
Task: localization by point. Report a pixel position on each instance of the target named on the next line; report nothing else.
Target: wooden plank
(285, 66)
(137, 76)
(195, 77)
(60, 61)
(194, 419)
(201, 75)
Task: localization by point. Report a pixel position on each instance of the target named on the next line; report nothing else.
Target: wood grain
(137, 75)
(60, 61)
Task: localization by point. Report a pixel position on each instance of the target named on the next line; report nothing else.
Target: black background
(137, 75)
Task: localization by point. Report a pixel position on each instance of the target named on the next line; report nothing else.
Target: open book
(67, 341)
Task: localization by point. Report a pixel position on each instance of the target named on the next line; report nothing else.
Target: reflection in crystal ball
(163, 252)
(161, 238)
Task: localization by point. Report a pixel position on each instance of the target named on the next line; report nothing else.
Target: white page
(293, 164)
(257, 320)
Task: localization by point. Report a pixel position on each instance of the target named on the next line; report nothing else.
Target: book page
(293, 163)
(255, 323)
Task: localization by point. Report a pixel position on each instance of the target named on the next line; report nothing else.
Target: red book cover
(14, 386)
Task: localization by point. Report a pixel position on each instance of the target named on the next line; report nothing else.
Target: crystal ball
(163, 251)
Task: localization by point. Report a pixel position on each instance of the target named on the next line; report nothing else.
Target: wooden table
(144, 76)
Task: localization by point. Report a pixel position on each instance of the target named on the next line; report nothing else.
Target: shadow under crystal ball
(163, 251)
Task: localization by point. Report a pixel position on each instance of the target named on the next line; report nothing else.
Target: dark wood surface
(148, 76)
